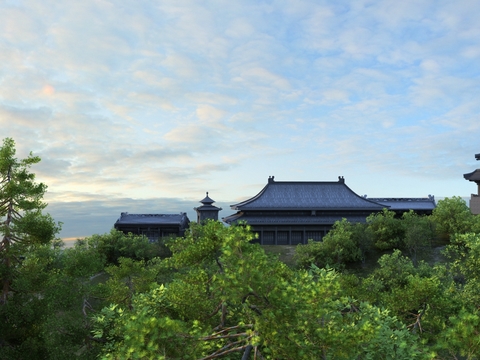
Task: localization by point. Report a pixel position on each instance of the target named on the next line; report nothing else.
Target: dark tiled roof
(207, 207)
(152, 219)
(407, 203)
(297, 195)
(473, 176)
(207, 200)
(292, 220)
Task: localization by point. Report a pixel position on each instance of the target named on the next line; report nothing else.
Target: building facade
(207, 210)
(153, 226)
(474, 176)
(292, 212)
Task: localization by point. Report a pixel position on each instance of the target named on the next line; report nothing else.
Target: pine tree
(21, 204)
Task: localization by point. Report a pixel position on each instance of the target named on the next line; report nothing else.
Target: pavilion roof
(405, 204)
(252, 219)
(473, 176)
(151, 219)
(299, 195)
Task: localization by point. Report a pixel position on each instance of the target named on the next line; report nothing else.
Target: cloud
(165, 99)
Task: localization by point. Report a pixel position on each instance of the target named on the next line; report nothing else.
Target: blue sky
(143, 106)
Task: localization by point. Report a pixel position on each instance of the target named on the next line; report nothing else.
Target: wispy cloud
(166, 100)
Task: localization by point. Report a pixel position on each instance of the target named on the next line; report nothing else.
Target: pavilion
(475, 198)
(292, 212)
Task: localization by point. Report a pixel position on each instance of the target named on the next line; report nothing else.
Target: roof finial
(341, 179)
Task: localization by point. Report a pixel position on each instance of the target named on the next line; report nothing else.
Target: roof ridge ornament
(207, 200)
(271, 179)
(341, 179)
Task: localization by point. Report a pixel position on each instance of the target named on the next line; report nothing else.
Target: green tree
(227, 298)
(422, 297)
(452, 216)
(49, 315)
(339, 247)
(461, 336)
(419, 233)
(21, 205)
(386, 229)
(115, 245)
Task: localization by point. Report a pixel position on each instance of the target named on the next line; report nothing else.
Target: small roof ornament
(207, 200)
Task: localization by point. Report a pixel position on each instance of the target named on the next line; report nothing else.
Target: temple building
(283, 212)
(156, 226)
(475, 198)
(207, 210)
(292, 212)
(421, 206)
(153, 226)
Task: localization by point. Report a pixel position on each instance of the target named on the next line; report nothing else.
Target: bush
(453, 216)
(338, 247)
(116, 244)
(387, 231)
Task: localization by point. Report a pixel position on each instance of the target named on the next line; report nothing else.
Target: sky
(143, 106)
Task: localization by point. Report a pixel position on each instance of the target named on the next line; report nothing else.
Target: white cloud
(211, 116)
(163, 99)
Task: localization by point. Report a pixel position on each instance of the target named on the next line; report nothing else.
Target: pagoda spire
(207, 210)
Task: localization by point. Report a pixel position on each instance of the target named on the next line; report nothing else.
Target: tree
(452, 216)
(419, 232)
(420, 296)
(339, 246)
(115, 245)
(387, 230)
(228, 298)
(49, 315)
(21, 205)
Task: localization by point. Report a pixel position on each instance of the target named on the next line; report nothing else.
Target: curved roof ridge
(472, 176)
(364, 198)
(431, 198)
(234, 206)
(307, 195)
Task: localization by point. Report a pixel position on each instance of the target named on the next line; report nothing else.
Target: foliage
(48, 318)
(227, 296)
(415, 295)
(464, 255)
(22, 222)
(126, 279)
(452, 216)
(117, 296)
(116, 244)
(313, 319)
(339, 246)
(419, 233)
(461, 336)
(386, 229)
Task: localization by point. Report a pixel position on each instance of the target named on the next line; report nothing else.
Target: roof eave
(472, 176)
(379, 208)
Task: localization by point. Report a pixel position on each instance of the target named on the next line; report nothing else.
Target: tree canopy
(213, 294)
(21, 205)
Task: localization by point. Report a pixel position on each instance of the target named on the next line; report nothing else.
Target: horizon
(145, 106)
(109, 218)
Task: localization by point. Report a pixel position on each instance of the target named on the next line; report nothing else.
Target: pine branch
(212, 337)
(256, 353)
(225, 351)
(217, 309)
(232, 328)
